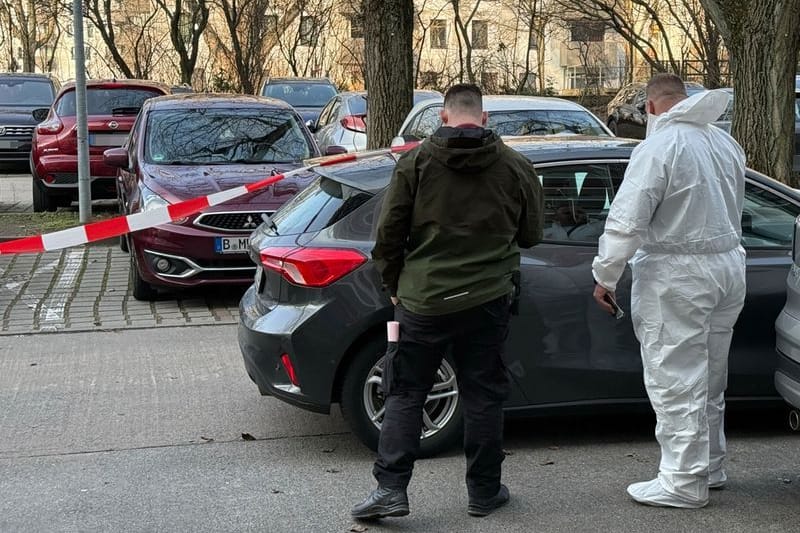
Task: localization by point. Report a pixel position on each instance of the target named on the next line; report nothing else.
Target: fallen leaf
(276, 491)
(332, 470)
(34, 364)
(547, 463)
(247, 436)
(630, 455)
(329, 450)
(787, 480)
(207, 439)
(358, 528)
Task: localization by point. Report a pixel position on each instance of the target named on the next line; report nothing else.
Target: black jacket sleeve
(531, 221)
(394, 223)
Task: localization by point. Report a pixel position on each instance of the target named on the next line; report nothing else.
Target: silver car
(342, 124)
(510, 116)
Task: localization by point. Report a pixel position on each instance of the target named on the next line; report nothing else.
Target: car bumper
(264, 338)
(60, 171)
(192, 257)
(787, 374)
(14, 149)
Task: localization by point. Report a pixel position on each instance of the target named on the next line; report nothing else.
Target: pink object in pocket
(393, 331)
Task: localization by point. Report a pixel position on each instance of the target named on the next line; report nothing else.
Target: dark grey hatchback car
(312, 325)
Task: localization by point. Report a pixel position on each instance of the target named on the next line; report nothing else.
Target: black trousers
(477, 337)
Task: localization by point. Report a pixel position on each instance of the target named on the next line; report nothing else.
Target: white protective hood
(683, 190)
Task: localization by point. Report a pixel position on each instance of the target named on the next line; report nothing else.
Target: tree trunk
(388, 53)
(763, 40)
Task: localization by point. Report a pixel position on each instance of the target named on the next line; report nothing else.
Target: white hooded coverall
(678, 215)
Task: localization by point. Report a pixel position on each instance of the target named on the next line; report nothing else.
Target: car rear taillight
(312, 267)
(50, 126)
(354, 123)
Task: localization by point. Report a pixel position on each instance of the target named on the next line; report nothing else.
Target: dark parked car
(185, 146)
(112, 106)
(312, 327)
(20, 96)
(307, 95)
(627, 116)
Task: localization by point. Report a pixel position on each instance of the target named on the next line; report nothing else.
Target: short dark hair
(665, 84)
(464, 97)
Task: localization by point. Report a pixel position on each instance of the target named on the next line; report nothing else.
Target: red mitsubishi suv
(112, 106)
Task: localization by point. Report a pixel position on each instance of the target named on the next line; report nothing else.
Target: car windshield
(541, 122)
(24, 92)
(107, 101)
(301, 94)
(222, 136)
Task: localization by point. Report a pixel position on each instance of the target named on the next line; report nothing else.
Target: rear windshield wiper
(125, 110)
(270, 223)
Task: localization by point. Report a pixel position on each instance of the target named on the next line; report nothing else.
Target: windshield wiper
(270, 223)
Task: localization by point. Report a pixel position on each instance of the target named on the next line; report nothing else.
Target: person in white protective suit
(677, 218)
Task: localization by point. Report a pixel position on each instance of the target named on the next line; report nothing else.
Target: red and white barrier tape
(121, 225)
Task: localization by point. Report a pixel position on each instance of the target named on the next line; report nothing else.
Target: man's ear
(484, 118)
(443, 115)
(650, 107)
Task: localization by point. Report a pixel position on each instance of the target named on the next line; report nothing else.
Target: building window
(480, 34)
(356, 26)
(308, 31)
(438, 33)
(586, 31)
(489, 82)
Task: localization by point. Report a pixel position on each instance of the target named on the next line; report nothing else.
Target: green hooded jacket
(457, 210)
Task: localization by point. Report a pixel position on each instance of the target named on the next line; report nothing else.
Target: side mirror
(311, 126)
(40, 114)
(335, 150)
(116, 157)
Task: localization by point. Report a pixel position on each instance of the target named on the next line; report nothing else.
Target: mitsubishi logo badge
(113, 124)
(2, 130)
(250, 223)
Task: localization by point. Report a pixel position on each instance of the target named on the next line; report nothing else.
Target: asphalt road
(142, 431)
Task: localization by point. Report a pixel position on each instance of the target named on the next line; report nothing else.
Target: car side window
(325, 113)
(577, 199)
(429, 121)
(767, 219)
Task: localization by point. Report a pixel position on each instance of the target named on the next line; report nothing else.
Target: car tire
(123, 243)
(141, 290)
(358, 403)
(42, 201)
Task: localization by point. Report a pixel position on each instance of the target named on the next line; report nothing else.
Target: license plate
(231, 245)
(107, 139)
(9, 145)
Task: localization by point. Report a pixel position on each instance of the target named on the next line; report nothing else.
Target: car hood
(309, 113)
(177, 183)
(18, 115)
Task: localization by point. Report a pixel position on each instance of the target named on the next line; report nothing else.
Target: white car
(510, 116)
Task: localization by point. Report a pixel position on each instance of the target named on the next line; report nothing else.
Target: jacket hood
(700, 109)
(466, 150)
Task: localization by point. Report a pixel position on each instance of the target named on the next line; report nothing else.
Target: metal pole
(84, 179)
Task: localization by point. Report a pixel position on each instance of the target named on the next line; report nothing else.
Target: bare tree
(763, 40)
(690, 18)
(388, 34)
(303, 46)
(34, 24)
(187, 22)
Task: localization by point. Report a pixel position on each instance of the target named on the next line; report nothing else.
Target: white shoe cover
(652, 493)
(716, 480)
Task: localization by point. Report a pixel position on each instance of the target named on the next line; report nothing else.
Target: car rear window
(320, 205)
(301, 94)
(25, 92)
(107, 101)
(541, 122)
(224, 135)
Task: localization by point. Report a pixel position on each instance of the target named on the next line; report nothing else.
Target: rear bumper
(60, 171)
(191, 254)
(787, 374)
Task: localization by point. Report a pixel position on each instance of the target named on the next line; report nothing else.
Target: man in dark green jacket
(455, 214)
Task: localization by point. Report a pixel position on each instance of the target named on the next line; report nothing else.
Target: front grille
(16, 131)
(235, 222)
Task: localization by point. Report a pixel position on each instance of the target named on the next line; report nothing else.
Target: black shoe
(382, 502)
(485, 507)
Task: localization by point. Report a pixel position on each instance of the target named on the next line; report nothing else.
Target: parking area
(87, 288)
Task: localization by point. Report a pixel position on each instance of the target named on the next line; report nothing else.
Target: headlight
(151, 200)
